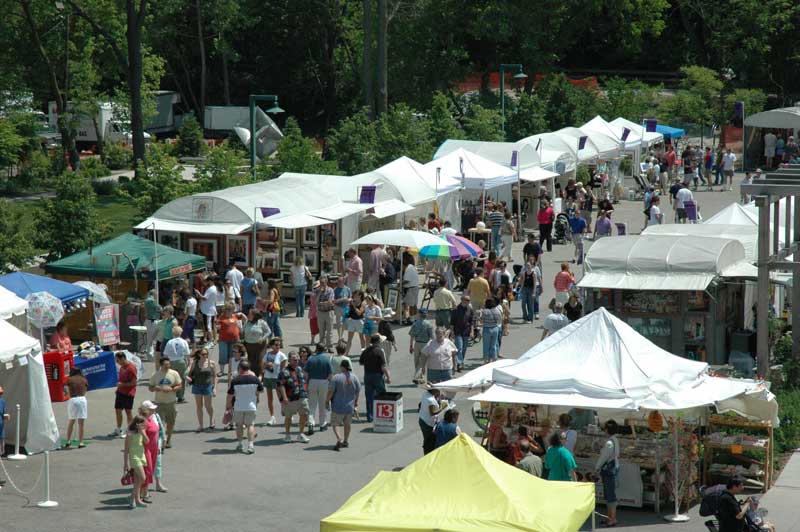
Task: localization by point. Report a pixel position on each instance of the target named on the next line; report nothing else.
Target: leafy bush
(582, 174)
(190, 138)
(116, 156)
(94, 168)
(787, 436)
(105, 187)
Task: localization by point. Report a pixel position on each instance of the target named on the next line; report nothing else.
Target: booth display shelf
(748, 436)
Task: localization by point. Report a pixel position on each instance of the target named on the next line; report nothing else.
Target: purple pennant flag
(367, 194)
(738, 109)
(514, 158)
(625, 133)
(269, 211)
(650, 125)
(538, 144)
(582, 142)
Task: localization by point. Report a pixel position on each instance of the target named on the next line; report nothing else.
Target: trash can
(388, 408)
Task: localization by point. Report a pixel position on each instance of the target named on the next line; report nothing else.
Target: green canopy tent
(127, 257)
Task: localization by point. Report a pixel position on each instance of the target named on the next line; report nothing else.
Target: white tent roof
(746, 234)
(497, 152)
(15, 343)
(537, 174)
(11, 304)
(598, 126)
(663, 262)
(733, 214)
(476, 379)
(599, 361)
(479, 173)
(560, 146)
(648, 138)
(596, 145)
(404, 179)
(783, 118)
(193, 227)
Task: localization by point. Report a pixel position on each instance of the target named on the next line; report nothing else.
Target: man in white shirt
(555, 321)
(235, 276)
(656, 217)
(208, 308)
(177, 350)
(728, 161)
(682, 196)
(770, 142)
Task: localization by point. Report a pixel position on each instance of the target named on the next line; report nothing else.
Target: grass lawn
(119, 213)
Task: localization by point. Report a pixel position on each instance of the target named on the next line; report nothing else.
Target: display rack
(735, 444)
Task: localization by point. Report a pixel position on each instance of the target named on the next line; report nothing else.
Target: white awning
(626, 281)
(339, 210)
(295, 221)
(214, 228)
(383, 209)
(783, 118)
(536, 173)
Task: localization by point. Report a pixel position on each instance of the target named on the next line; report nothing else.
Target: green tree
(61, 233)
(296, 153)
(633, 100)
(11, 144)
(16, 244)
(224, 167)
(483, 124)
(443, 125)
(190, 138)
(525, 117)
(754, 100)
(565, 104)
(402, 131)
(354, 144)
(159, 184)
(697, 101)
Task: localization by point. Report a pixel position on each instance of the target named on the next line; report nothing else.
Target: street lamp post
(520, 75)
(275, 109)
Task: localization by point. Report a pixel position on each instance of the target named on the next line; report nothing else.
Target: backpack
(709, 504)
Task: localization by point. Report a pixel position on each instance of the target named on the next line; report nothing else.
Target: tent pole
(519, 199)
(677, 517)
(255, 210)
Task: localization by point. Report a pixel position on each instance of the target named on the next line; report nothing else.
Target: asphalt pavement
(282, 486)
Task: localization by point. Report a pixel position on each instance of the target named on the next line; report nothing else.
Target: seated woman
(60, 340)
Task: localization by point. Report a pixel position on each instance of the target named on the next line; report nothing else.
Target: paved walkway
(282, 486)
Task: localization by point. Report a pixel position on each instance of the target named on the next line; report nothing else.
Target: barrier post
(17, 455)
(47, 503)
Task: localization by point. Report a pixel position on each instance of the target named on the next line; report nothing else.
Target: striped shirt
(492, 317)
(496, 218)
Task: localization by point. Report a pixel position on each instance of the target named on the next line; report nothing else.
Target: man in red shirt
(670, 157)
(127, 378)
(434, 223)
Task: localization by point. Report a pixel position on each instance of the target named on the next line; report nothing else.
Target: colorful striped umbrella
(460, 248)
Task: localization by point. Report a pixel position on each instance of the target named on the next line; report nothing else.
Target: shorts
(77, 408)
(337, 419)
(123, 401)
(209, 319)
(167, 412)
(188, 329)
(369, 328)
(728, 173)
(270, 384)
(411, 296)
(339, 313)
(246, 417)
(609, 486)
(439, 375)
(202, 389)
(354, 325)
(681, 213)
(300, 406)
(769, 152)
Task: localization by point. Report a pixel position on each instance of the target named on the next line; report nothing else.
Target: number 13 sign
(385, 411)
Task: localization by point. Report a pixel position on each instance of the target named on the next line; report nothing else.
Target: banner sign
(107, 319)
(186, 268)
(650, 125)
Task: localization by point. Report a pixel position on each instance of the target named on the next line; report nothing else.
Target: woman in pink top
(562, 283)
(545, 217)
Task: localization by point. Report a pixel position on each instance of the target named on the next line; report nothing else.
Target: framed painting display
(310, 236)
(267, 259)
(288, 255)
(311, 258)
(267, 235)
(205, 247)
(290, 236)
(170, 238)
(238, 250)
(286, 277)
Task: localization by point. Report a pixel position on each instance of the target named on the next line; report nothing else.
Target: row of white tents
(600, 362)
(460, 170)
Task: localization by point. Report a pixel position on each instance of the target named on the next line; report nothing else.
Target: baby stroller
(561, 231)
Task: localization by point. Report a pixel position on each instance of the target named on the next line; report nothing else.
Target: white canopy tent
(733, 214)
(648, 138)
(600, 126)
(746, 234)
(601, 362)
(476, 172)
(22, 375)
(566, 149)
(11, 304)
(538, 174)
(783, 118)
(497, 152)
(663, 262)
(596, 147)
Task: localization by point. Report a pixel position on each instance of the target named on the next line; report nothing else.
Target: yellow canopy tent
(462, 488)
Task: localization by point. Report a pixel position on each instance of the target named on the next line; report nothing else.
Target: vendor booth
(599, 368)
(684, 293)
(670, 133)
(462, 488)
(22, 375)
